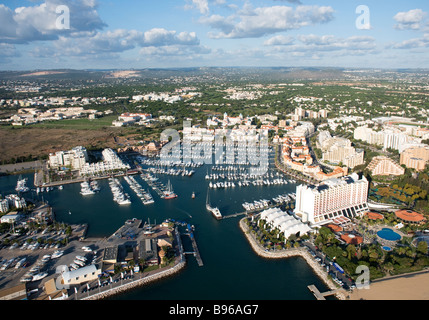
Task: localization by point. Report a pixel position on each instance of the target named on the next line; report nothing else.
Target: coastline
(180, 263)
(295, 252)
(137, 283)
(412, 286)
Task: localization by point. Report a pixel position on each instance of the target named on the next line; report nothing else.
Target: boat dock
(154, 186)
(235, 215)
(196, 251)
(247, 212)
(321, 295)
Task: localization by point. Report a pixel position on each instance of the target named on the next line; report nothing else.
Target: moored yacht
(169, 193)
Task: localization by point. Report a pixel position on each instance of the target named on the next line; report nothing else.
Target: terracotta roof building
(374, 216)
(410, 216)
(351, 238)
(334, 227)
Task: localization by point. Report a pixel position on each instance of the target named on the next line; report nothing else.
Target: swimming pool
(386, 248)
(388, 234)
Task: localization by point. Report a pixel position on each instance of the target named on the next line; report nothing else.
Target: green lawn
(77, 124)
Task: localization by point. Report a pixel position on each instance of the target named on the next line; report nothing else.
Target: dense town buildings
(339, 150)
(389, 138)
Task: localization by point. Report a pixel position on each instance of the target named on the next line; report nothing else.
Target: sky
(110, 34)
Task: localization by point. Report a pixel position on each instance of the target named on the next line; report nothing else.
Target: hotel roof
(409, 216)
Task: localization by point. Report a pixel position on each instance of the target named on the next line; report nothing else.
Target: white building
(4, 205)
(388, 138)
(16, 201)
(111, 162)
(74, 158)
(339, 150)
(81, 275)
(11, 217)
(285, 223)
(334, 198)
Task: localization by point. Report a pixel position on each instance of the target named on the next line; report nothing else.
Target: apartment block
(415, 157)
(384, 166)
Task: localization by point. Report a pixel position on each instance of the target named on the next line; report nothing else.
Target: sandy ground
(409, 287)
(39, 141)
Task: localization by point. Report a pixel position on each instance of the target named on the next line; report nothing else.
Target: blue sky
(194, 33)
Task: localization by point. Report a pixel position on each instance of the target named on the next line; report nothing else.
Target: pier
(235, 215)
(247, 212)
(153, 186)
(321, 295)
(196, 251)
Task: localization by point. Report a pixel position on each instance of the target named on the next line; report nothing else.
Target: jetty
(153, 185)
(196, 251)
(235, 215)
(321, 295)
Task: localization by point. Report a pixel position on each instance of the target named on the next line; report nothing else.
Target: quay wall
(140, 282)
(293, 252)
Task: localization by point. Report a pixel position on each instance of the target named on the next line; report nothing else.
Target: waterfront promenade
(288, 253)
(136, 280)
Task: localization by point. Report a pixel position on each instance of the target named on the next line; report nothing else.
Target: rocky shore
(294, 252)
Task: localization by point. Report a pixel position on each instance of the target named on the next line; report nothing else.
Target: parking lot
(33, 255)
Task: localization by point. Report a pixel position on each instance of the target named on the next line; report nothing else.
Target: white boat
(86, 189)
(214, 210)
(94, 186)
(39, 276)
(79, 263)
(81, 258)
(169, 193)
(21, 185)
(20, 263)
(57, 254)
(74, 266)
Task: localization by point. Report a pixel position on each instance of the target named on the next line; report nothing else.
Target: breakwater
(288, 253)
(140, 282)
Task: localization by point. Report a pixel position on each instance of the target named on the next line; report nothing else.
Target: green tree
(422, 247)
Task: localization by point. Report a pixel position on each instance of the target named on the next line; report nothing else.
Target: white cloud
(313, 44)
(201, 5)
(258, 22)
(410, 20)
(33, 23)
(422, 42)
(160, 36)
(290, 1)
(111, 43)
(279, 40)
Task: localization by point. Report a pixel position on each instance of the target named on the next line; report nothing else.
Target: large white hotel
(334, 200)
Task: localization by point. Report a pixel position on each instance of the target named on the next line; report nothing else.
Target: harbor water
(231, 270)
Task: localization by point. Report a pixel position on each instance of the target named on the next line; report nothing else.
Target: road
(316, 253)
